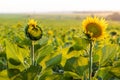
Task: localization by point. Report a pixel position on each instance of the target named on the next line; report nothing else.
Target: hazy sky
(16, 6)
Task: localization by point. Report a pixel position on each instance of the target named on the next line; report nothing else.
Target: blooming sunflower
(94, 27)
(33, 31)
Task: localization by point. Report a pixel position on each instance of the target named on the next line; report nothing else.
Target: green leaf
(45, 74)
(15, 57)
(96, 58)
(80, 44)
(4, 75)
(3, 61)
(72, 74)
(104, 73)
(54, 60)
(28, 74)
(12, 55)
(26, 42)
(116, 63)
(15, 52)
(43, 40)
(77, 64)
(56, 77)
(69, 66)
(42, 52)
(14, 62)
(115, 71)
(13, 72)
(82, 65)
(108, 53)
(66, 76)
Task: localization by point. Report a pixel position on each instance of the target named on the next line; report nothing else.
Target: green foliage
(54, 60)
(80, 43)
(61, 56)
(42, 52)
(108, 54)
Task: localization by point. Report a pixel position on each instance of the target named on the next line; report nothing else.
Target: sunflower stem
(90, 61)
(32, 53)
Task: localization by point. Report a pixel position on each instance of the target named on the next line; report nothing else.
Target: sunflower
(50, 32)
(94, 27)
(33, 31)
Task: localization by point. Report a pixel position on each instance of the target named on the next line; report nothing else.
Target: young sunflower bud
(33, 31)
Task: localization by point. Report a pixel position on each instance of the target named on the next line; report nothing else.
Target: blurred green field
(61, 53)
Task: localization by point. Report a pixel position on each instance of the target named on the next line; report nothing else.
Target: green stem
(90, 61)
(32, 53)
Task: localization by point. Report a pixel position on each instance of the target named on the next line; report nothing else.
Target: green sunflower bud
(33, 31)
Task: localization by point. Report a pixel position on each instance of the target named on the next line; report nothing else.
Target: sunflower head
(94, 27)
(50, 32)
(33, 31)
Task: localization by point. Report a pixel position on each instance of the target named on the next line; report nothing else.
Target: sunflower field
(59, 47)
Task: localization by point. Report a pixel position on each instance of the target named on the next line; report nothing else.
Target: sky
(41, 6)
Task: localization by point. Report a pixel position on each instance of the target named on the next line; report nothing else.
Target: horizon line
(51, 12)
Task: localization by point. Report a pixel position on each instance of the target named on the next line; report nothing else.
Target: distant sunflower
(94, 27)
(50, 32)
(32, 30)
